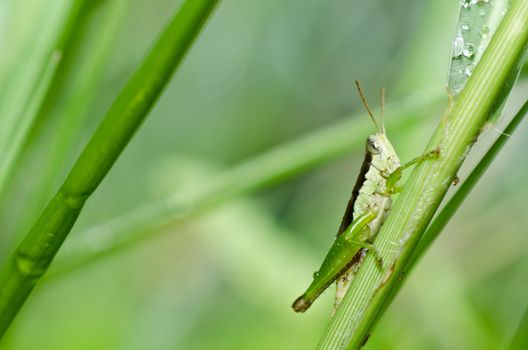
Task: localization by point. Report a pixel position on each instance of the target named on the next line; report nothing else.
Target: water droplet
(465, 27)
(465, 3)
(482, 13)
(316, 274)
(484, 30)
(468, 51)
(480, 2)
(458, 45)
(468, 71)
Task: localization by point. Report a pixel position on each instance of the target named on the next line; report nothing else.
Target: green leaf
(477, 22)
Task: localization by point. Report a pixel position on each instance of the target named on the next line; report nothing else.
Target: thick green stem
(441, 220)
(33, 256)
(428, 183)
(447, 212)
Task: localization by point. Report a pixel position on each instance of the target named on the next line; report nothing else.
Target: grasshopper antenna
(382, 106)
(365, 103)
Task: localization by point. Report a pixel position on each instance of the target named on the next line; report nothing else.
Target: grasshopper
(366, 211)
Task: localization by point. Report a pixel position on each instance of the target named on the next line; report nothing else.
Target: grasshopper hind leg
(343, 282)
(371, 249)
(301, 304)
(338, 259)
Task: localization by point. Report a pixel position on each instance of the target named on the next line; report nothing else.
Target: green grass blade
(29, 30)
(428, 183)
(16, 128)
(82, 69)
(270, 168)
(33, 256)
(14, 144)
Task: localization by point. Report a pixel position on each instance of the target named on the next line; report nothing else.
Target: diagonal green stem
(33, 256)
(428, 184)
(441, 220)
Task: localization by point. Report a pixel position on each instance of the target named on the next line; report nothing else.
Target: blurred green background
(261, 74)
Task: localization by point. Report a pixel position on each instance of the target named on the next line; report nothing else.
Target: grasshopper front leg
(392, 180)
(338, 259)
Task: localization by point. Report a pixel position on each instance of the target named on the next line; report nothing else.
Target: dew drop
(316, 274)
(484, 30)
(458, 45)
(465, 27)
(468, 71)
(465, 3)
(468, 50)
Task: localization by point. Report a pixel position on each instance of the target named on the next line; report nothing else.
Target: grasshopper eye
(372, 147)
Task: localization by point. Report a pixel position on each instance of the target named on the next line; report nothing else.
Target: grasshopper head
(373, 144)
(379, 144)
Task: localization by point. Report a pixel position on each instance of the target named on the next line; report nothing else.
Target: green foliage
(269, 88)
